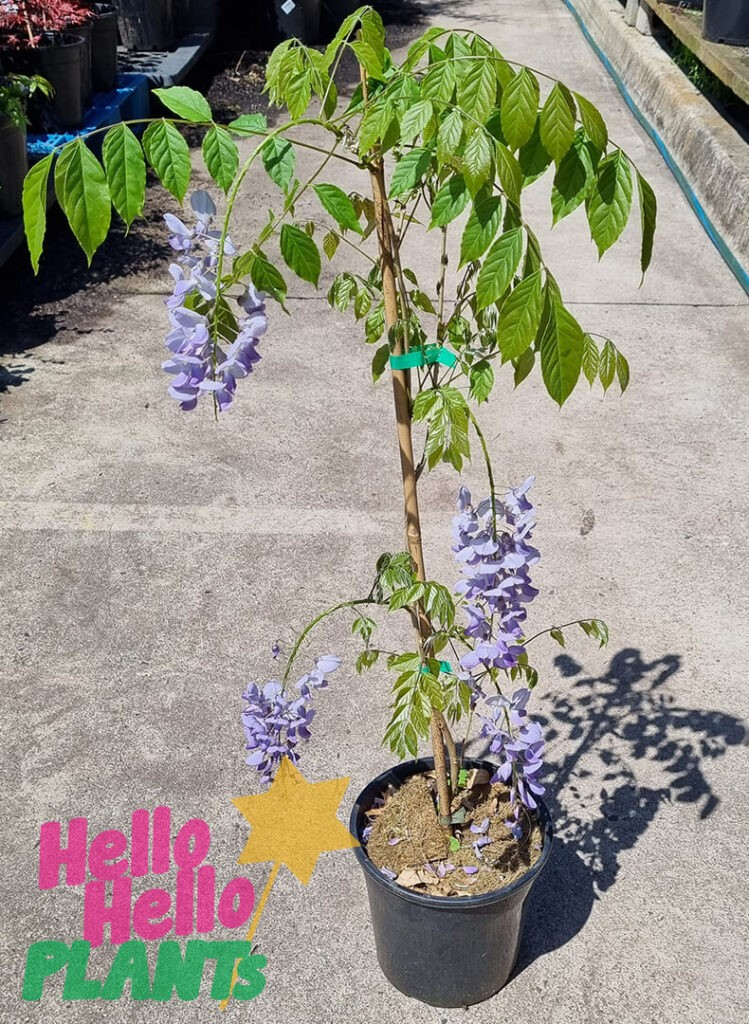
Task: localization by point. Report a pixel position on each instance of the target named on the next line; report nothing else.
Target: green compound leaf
(481, 227)
(125, 167)
(168, 154)
(186, 103)
(300, 253)
(221, 157)
(83, 195)
(519, 317)
(610, 201)
(409, 171)
(339, 206)
(593, 123)
(477, 90)
(561, 351)
(498, 267)
(477, 160)
(450, 201)
(35, 208)
(519, 108)
(558, 122)
(279, 161)
(575, 176)
(648, 211)
(591, 357)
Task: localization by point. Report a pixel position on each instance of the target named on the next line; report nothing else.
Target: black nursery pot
(59, 61)
(104, 48)
(443, 950)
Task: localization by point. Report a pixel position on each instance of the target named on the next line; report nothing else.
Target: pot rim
(447, 902)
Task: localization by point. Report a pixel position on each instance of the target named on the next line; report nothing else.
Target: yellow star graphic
(294, 821)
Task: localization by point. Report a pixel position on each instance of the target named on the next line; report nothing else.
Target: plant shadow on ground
(610, 724)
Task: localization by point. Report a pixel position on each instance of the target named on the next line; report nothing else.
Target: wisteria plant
(455, 128)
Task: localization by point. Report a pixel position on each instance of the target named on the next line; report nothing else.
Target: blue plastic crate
(128, 101)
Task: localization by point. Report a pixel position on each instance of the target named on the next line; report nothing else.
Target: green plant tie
(422, 357)
(444, 667)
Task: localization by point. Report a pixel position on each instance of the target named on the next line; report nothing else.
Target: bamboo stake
(405, 445)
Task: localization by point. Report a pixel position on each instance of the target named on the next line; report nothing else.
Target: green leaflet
(186, 103)
(561, 351)
(450, 201)
(648, 211)
(125, 168)
(300, 253)
(249, 124)
(533, 158)
(83, 195)
(35, 208)
(607, 366)
(279, 161)
(416, 120)
(438, 84)
(477, 89)
(590, 359)
(593, 123)
(477, 160)
(449, 137)
(481, 227)
(409, 171)
(558, 121)
(610, 201)
(510, 174)
(482, 380)
(498, 267)
(168, 154)
(268, 278)
(339, 206)
(519, 317)
(221, 156)
(519, 108)
(575, 176)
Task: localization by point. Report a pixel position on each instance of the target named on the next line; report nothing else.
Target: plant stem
(307, 629)
(489, 471)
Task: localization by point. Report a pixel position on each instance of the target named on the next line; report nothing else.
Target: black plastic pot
(13, 166)
(58, 59)
(84, 31)
(104, 48)
(443, 950)
(146, 24)
(726, 21)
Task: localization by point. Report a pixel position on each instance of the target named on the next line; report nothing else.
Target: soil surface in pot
(408, 844)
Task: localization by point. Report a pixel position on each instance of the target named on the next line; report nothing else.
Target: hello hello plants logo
(293, 822)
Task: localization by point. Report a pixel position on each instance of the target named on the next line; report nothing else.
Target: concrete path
(151, 558)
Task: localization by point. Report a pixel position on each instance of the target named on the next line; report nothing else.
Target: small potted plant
(15, 93)
(38, 37)
(443, 145)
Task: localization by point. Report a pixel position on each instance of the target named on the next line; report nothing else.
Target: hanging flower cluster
(519, 742)
(275, 721)
(200, 366)
(496, 584)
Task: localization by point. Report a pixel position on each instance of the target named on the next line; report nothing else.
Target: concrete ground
(151, 558)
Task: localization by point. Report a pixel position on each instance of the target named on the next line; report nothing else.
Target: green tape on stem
(444, 667)
(423, 357)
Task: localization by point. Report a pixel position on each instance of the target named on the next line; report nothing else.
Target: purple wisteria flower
(275, 720)
(199, 364)
(519, 742)
(496, 582)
